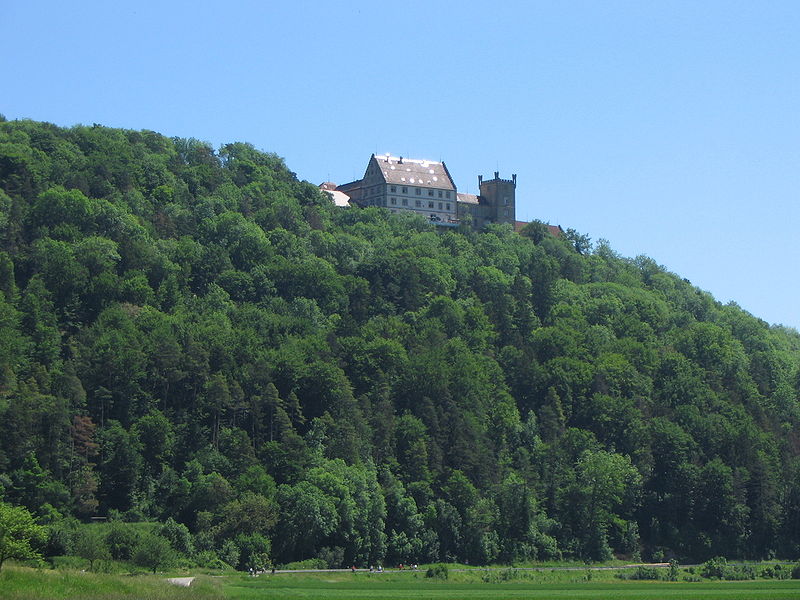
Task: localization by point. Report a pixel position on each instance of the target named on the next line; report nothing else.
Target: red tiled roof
(555, 230)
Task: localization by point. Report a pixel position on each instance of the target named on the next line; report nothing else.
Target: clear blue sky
(670, 128)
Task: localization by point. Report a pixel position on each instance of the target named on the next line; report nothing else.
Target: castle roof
(555, 230)
(467, 198)
(339, 198)
(414, 171)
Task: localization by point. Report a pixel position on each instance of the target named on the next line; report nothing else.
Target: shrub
(714, 568)
(333, 557)
(641, 573)
(742, 573)
(439, 571)
(121, 540)
(796, 571)
(674, 571)
(178, 536)
(254, 552)
(208, 559)
(309, 563)
(60, 538)
(229, 553)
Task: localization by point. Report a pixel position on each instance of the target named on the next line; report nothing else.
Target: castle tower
(498, 198)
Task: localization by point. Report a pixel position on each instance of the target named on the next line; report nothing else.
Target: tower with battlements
(499, 198)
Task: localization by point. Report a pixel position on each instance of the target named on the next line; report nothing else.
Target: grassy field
(20, 583)
(345, 587)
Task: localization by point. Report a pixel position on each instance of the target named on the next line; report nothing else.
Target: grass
(414, 586)
(20, 583)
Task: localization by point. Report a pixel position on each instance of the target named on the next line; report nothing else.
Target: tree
(91, 545)
(152, 552)
(604, 492)
(19, 534)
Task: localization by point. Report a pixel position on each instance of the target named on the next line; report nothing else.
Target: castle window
(405, 190)
(505, 200)
(430, 204)
(405, 201)
(394, 188)
(394, 200)
(418, 203)
(440, 206)
(440, 193)
(430, 193)
(447, 194)
(448, 206)
(419, 191)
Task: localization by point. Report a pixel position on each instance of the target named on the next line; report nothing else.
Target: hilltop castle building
(426, 187)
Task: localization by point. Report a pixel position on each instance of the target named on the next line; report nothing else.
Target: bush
(229, 553)
(333, 557)
(60, 538)
(178, 536)
(674, 571)
(714, 568)
(309, 563)
(439, 571)
(742, 573)
(641, 573)
(796, 571)
(254, 552)
(121, 540)
(208, 559)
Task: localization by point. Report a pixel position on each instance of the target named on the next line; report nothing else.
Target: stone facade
(426, 187)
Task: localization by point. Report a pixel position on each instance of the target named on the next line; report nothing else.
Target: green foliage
(153, 552)
(198, 338)
(642, 574)
(714, 568)
(91, 545)
(20, 536)
(439, 571)
(67, 584)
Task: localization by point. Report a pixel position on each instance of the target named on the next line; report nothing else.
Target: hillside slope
(195, 334)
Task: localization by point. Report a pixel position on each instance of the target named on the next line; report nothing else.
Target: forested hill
(195, 334)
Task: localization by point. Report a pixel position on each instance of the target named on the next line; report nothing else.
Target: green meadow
(20, 583)
(572, 586)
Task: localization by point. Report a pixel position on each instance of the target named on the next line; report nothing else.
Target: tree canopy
(195, 336)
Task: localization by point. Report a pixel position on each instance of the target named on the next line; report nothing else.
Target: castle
(426, 187)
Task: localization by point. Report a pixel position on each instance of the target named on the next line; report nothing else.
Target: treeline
(195, 337)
